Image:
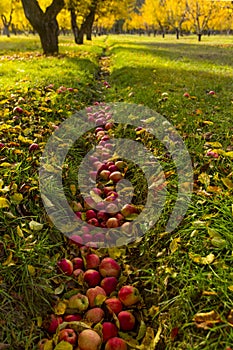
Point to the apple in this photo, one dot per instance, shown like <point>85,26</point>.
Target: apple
<point>114,305</point>
<point>92,294</point>
<point>98,165</point>
<point>93,222</point>
<point>92,277</point>
<point>186,94</point>
<point>109,268</point>
<point>109,330</point>
<point>89,340</point>
<point>71,318</point>
<point>92,261</point>
<point>18,109</point>
<point>66,266</point>
<point>87,237</point>
<point>76,239</point>
<point>78,272</point>
<point>211,92</point>
<point>100,121</point>
<point>129,295</point>
<point>90,214</point>
<point>128,209</point>
<point>98,129</point>
<point>112,208</point>
<point>116,176</point>
<point>105,138</point>
<point>2,145</point>
<point>108,126</point>
<point>41,344</point>
<point>100,133</point>
<point>109,284</point>
<point>33,147</point>
<point>78,214</point>
<point>113,168</point>
<point>78,263</point>
<point>108,189</point>
<point>112,222</point>
<point>102,215</point>
<point>115,344</point>
<point>93,174</point>
<point>85,229</point>
<point>52,323</point>
<point>120,164</point>
<point>97,191</point>
<point>99,237</point>
<point>68,335</point>
<point>94,315</point>
<point>79,302</point>
<point>126,227</point>
<point>127,320</point>
<point>104,174</point>
<point>119,217</point>
<point>84,250</point>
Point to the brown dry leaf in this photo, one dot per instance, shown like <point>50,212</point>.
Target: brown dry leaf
<point>149,339</point>
<point>206,320</point>
<point>153,310</point>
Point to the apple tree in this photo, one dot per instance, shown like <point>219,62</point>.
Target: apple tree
<point>45,23</point>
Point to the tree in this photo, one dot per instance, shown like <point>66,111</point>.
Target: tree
<point>45,23</point>
<point>155,14</point>
<point>200,14</point>
<point>176,14</point>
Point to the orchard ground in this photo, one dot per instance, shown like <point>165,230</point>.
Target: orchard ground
<point>180,274</point>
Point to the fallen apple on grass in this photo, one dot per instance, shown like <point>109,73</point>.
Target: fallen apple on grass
<point>94,315</point>
<point>92,277</point>
<point>92,294</point>
<point>51,323</point>
<point>109,330</point>
<point>109,268</point>
<point>92,261</point>
<point>68,335</point>
<point>114,305</point>
<point>78,302</point>
<point>116,344</point>
<point>129,295</point>
<point>109,284</point>
<point>127,320</point>
<point>65,266</point>
<point>89,340</point>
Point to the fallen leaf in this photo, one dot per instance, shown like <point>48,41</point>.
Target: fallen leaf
<point>60,308</point>
<point>31,270</point>
<point>174,245</point>
<point>35,226</point>
<point>206,320</point>
<point>228,183</point>
<point>4,203</point>
<point>63,345</point>
<point>202,260</point>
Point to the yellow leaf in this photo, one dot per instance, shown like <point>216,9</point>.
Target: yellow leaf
<point>35,226</point>
<point>19,232</point>
<point>8,261</point>
<point>204,179</point>
<point>116,253</point>
<point>174,245</point>
<point>229,154</point>
<point>60,308</point>
<point>227,182</point>
<point>49,345</point>
<point>17,198</point>
<point>39,321</point>
<point>202,260</point>
<point>4,203</point>
<point>214,144</point>
<point>230,288</point>
<point>31,270</point>
<point>6,165</point>
<point>63,345</point>
<point>73,189</point>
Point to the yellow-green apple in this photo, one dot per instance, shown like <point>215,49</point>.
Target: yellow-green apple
<point>79,302</point>
<point>92,261</point>
<point>66,266</point>
<point>128,209</point>
<point>89,340</point>
<point>109,330</point>
<point>116,176</point>
<point>94,315</point>
<point>109,284</point>
<point>115,344</point>
<point>68,335</point>
<point>114,305</point>
<point>129,295</point>
<point>92,277</point>
<point>93,293</point>
<point>127,320</point>
<point>109,268</point>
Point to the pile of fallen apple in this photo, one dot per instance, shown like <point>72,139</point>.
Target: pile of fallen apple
<point>100,313</point>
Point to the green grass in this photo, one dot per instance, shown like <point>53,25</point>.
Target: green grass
<point>153,72</point>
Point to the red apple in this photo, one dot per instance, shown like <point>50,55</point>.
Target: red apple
<point>18,109</point>
<point>87,237</point>
<point>109,268</point>
<point>186,94</point>
<point>108,126</point>
<point>109,284</point>
<point>92,261</point>
<point>71,318</point>
<point>66,266</point>
<point>76,239</point>
<point>116,176</point>
<point>115,344</point>
<point>92,293</point>
<point>98,129</point>
<point>78,263</point>
<point>94,315</point>
<point>113,168</point>
<point>33,147</point>
<point>114,304</point>
<point>78,272</point>
<point>68,335</point>
<point>79,302</point>
<point>52,323</point>
<point>90,214</point>
<point>102,215</point>
<point>129,295</point>
<point>112,208</point>
<point>109,330</point>
<point>127,320</point>
<point>92,277</point>
<point>112,222</point>
<point>211,92</point>
<point>93,222</point>
<point>89,340</point>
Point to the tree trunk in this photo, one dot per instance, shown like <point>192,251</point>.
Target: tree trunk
<point>45,23</point>
<point>78,33</point>
<point>177,34</point>
<point>6,24</point>
<point>199,36</point>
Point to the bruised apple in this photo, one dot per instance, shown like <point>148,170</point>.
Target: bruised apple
<point>94,315</point>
